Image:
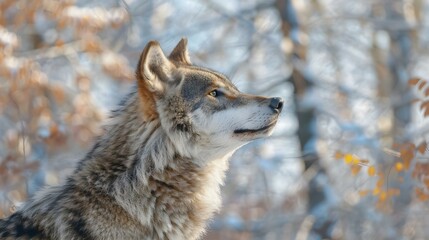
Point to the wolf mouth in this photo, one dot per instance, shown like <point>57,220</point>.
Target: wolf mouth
<point>240,131</point>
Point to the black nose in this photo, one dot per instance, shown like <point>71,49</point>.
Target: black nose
<point>276,104</point>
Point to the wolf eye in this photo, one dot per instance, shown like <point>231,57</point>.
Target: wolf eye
<point>214,93</point>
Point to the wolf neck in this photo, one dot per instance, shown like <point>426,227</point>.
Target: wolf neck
<point>148,177</point>
<point>140,141</point>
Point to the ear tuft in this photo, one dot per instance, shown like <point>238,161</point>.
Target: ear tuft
<point>180,53</point>
<point>153,68</point>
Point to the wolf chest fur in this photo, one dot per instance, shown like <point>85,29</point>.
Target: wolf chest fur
<point>156,171</point>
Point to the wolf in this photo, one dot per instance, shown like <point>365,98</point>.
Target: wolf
<point>156,171</point>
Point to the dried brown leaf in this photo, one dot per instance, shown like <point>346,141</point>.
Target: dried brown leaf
<point>421,194</point>
<point>415,100</point>
<point>355,169</point>
<point>426,182</point>
<point>407,156</point>
<point>426,112</point>
<point>421,169</point>
<point>424,105</point>
<point>422,147</point>
<point>414,81</point>
<point>422,84</point>
<point>58,94</point>
<point>426,93</point>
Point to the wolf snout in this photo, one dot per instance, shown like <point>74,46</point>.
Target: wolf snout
<point>276,104</point>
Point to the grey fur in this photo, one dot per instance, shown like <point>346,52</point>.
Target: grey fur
<point>153,174</point>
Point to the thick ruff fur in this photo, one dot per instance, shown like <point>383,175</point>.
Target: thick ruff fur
<point>156,171</point>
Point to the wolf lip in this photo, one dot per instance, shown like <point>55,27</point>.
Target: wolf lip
<point>239,131</point>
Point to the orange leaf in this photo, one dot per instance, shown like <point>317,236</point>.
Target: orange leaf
<point>422,147</point>
<point>371,171</point>
<point>407,155</point>
<point>379,173</point>
<point>379,183</point>
<point>413,81</point>
<point>355,169</point>
<point>426,182</point>
<point>393,192</point>
<point>383,196</point>
<point>59,43</point>
<point>58,93</point>
<point>421,194</point>
<point>338,155</point>
<point>399,166</point>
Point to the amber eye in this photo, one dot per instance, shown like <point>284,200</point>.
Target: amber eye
<point>214,93</point>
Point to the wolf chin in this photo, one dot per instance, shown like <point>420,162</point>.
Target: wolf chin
<point>156,171</point>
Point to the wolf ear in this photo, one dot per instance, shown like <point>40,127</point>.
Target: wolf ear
<point>153,68</point>
<point>180,53</point>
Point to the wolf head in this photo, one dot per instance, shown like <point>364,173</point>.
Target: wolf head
<point>201,110</point>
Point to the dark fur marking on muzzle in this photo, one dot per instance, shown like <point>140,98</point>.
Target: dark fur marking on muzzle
<point>239,131</point>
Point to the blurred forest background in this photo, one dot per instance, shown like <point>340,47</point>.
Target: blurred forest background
<point>348,159</point>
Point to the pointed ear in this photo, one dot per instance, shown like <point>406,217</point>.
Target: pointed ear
<point>154,69</point>
<point>180,53</point>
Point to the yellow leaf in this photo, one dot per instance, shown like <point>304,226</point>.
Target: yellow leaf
<point>363,193</point>
<point>376,191</point>
<point>399,166</point>
<point>348,158</point>
<point>371,171</point>
<point>383,196</point>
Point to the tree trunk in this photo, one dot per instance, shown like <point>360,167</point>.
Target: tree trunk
<point>393,74</point>
<point>318,187</point>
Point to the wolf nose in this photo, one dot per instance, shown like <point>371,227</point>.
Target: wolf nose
<point>276,104</point>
